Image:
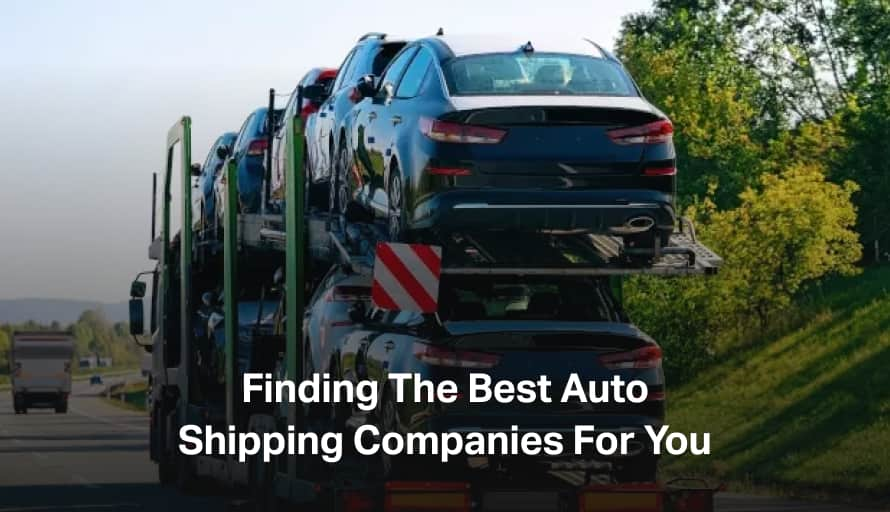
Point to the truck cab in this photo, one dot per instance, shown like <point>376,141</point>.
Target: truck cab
<point>41,370</point>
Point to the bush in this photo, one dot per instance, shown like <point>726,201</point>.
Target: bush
<point>794,228</point>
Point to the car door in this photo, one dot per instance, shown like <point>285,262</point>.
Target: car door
<point>324,122</point>
<point>221,185</point>
<point>199,188</point>
<point>401,121</point>
<point>279,160</point>
<point>390,350</point>
<point>375,133</point>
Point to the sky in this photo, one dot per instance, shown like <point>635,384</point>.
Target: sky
<point>89,88</point>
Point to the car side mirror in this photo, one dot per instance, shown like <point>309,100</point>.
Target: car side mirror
<point>196,170</point>
<point>137,289</point>
<point>222,152</point>
<point>366,86</point>
<point>357,313</point>
<point>137,317</point>
<point>316,93</point>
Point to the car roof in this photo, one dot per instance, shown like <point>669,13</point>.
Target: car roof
<point>474,44</point>
<point>383,38</point>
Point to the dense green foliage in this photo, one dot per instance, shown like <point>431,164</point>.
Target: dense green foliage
<point>780,109</point>
<point>94,335</point>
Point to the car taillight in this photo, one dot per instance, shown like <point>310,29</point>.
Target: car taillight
<point>651,133</point>
<point>257,147</point>
<point>439,356</point>
<point>645,357</point>
<point>448,171</point>
<point>348,294</point>
<point>444,131</point>
<point>660,171</point>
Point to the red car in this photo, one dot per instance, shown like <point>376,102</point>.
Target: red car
<point>315,76</point>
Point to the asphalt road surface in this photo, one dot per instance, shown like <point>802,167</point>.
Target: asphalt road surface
<point>95,459</point>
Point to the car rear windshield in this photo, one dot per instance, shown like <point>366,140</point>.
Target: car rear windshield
<point>521,73</point>
<point>503,298</point>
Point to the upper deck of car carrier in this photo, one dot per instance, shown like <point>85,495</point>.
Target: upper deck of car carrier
<point>496,252</point>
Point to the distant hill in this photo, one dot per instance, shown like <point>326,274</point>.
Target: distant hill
<point>46,311</point>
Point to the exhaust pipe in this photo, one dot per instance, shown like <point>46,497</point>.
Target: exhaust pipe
<point>634,225</point>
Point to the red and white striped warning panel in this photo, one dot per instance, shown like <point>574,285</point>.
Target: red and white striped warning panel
<point>406,277</point>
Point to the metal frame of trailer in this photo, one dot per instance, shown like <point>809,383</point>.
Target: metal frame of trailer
<point>465,253</point>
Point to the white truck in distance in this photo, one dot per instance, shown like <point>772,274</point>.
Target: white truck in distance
<point>40,365</point>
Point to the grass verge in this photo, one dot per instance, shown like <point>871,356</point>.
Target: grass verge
<point>131,397</point>
<point>807,413</point>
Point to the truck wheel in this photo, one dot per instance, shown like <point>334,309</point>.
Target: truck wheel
<point>166,467</point>
<point>62,407</point>
<point>186,478</point>
<point>166,472</point>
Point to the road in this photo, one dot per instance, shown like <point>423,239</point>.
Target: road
<point>95,459</point>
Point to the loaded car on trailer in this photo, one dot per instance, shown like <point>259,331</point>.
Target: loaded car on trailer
<point>497,132</point>
<point>325,133</point>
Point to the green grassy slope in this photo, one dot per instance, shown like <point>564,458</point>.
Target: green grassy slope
<point>810,410</point>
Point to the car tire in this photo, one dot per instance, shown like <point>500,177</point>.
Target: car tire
<point>391,467</point>
<point>341,197</point>
<point>396,218</point>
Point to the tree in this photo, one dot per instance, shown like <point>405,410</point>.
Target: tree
<point>5,346</point>
<point>686,62</point>
<point>794,227</point>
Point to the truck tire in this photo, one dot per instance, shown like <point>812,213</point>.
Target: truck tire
<point>62,407</point>
<point>166,467</point>
<point>186,477</point>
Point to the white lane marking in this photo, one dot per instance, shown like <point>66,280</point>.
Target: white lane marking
<point>108,422</point>
<point>83,481</point>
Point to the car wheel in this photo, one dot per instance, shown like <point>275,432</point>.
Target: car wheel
<point>396,200</point>
<point>342,184</point>
<point>390,466</point>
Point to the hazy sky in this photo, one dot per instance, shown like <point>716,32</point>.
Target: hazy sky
<point>89,88</point>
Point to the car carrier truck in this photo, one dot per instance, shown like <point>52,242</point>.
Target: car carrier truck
<point>197,381</point>
<point>40,365</point>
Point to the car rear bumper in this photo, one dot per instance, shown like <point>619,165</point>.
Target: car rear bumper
<point>597,211</point>
<point>640,445</point>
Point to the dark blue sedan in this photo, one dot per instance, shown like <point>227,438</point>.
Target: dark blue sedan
<point>512,328</point>
<point>203,196</point>
<point>248,152</point>
<point>499,132</point>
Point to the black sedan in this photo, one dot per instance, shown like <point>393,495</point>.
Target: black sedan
<point>512,329</point>
<point>501,132</point>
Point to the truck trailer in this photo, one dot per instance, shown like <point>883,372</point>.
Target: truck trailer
<point>40,365</point>
<point>196,377</point>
